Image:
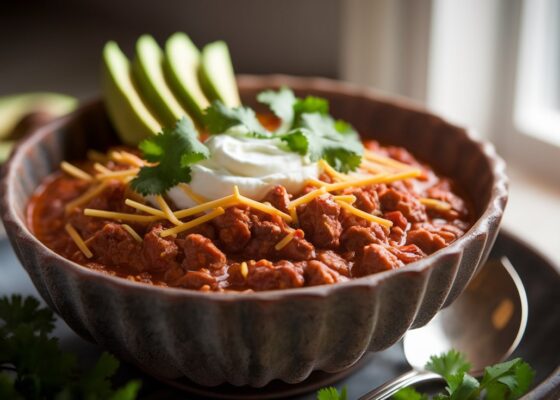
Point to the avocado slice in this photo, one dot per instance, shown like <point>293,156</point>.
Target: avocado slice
<point>130,115</point>
<point>14,107</point>
<point>216,74</point>
<point>182,60</point>
<point>147,68</point>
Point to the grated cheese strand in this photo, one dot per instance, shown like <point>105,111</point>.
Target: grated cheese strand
<point>101,168</point>
<point>371,156</point>
<point>189,192</point>
<point>333,173</point>
<point>347,198</point>
<point>371,167</point>
<point>191,224</point>
<point>94,155</point>
<point>436,204</point>
<point>118,174</point>
<point>244,269</point>
<point>307,197</point>
<point>75,171</point>
<point>132,232</point>
<point>293,214</point>
<point>145,208</point>
<point>167,211</point>
<point>223,202</point>
<point>332,187</point>
<point>264,208</point>
<point>78,240</point>
<point>362,214</point>
<point>90,212</point>
<point>413,173</point>
<point>87,196</point>
<point>285,241</point>
<point>127,158</point>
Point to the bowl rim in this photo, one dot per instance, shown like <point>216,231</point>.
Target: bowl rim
<point>17,227</point>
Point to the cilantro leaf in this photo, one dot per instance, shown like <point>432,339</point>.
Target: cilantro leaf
<point>218,118</point>
<point>127,392</point>
<point>409,393</point>
<point>330,393</point>
<point>282,104</point>
<point>319,138</point>
<point>15,311</point>
<point>462,386</point>
<point>447,364</point>
<point>311,104</point>
<point>510,379</point>
<point>174,150</point>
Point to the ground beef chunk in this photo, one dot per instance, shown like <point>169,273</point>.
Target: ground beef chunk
<point>366,198</point>
<point>397,218</point>
<point>375,258</point>
<point>298,248</point>
<point>114,246</point>
<point>334,261</point>
<point>319,220</point>
<point>201,252</point>
<point>234,228</point>
<point>264,275</point>
<point>356,237</point>
<point>278,197</point>
<point>197,280</point>
<point>411,208</point>
<point>265,235</point>
<point>408,253</point>
<point>318,273</point>
<point>428,241</point>
<point>159,253</point>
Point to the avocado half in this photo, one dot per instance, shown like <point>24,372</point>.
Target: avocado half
<point>216,74</point>
<point>130,115</point>
<point>181,64</point>
<point>147,69</point>
<point>15,108</point>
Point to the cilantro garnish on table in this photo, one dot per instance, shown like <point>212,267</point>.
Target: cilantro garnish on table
<point>504,381</point>
<point>32,365</point>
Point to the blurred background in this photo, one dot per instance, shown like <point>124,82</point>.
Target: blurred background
<point>492,65</point>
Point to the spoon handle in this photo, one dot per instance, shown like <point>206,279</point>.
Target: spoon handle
<point>388,389</point>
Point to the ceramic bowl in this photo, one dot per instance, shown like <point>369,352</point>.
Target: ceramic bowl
<point>251,339</point>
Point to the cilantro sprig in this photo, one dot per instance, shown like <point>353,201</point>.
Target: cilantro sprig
<point>306,127</point>
<point>173,151</point>
<point>32,365</point>
<point>504,381</point>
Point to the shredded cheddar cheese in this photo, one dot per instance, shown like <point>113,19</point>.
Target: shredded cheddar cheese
<point>348,198</point>
<point>293,214</point>
<point>125,173</point>
<point>371,156</point>
<point>362,214</point>
<point>78,240</point>
<point>191,224</point>
<point>125,157</point>
<point>87,196</point>
<point>145,208</point>
<point>333,173</point>
<point>436,204</point>
<point>97,156</point>
<point>132,232</point>
<point>307,197</point>
<point>259,206</point>
<point>285,241</point>
<point>75,171</point>
<point>223,202</point>
<point>101,168</point>
<point>167,211</point>
<point>244,269</point>
<point>90,212</point>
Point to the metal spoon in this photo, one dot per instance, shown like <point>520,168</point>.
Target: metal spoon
<point>486,323</point>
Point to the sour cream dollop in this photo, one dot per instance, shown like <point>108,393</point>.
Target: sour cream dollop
<point>254,165</point>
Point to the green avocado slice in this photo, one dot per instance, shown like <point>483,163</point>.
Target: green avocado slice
<point>216,74</point>
<point>131,117</point>
<point>14,107</point>
<point>182,60</point>
<point>147,68</point>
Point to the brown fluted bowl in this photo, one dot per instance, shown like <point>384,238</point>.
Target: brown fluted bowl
<point>253,338</point>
